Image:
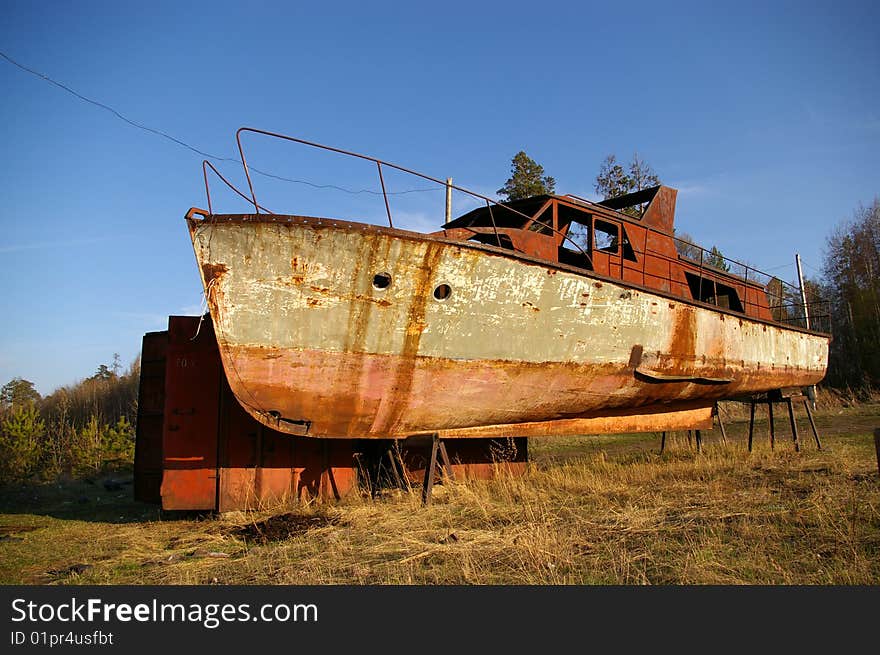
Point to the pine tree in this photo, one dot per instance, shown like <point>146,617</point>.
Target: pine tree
<point>526,179</point>
<point>717,260</point>
<point>17,393</point>
<point>22,432</point>
<point>613,181</point>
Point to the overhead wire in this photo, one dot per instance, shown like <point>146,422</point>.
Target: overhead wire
<point>198,151</point>
<point>811,267</point>
<point>776,268</point>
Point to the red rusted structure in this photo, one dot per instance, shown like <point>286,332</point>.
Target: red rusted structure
<point>641,251</point>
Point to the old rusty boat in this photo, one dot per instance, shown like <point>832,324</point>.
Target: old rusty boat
<point>550,315</point>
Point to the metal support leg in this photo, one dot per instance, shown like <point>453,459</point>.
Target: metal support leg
<point>662,442</point>
<point>699,439</point>
<point>772,426</point>
<point>794,430</point>
<point>430,469</point>
<point>812,423</point>
<point>721,425</point>
<point>396,474</point>
<point>447,465</point>
<point>751,424</point>
<point>327,484</point>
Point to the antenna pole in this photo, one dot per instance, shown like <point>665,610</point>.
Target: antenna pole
<point>448,199</point>
<point>797,259</point>
<point>811,390</point>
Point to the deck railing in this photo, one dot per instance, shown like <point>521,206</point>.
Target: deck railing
<point>379,164</point>
<point>784,298</point>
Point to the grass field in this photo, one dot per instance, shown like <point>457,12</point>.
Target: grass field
<point>591,510</point>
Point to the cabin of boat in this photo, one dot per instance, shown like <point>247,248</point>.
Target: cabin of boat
<point>629,238</point>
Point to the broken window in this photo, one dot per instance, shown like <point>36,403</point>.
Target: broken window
<point>491,239</point>
<point>575,224</point>
<point>713,292</point>
<point>607,237</point>
<point>543,224</point>
<point>579,234</point>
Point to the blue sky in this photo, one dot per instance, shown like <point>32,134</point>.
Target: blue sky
<point>766,117</point>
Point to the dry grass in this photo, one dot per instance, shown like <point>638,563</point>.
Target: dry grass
<point>590,510</point>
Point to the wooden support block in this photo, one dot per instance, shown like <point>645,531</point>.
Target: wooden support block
<point>447,465</point>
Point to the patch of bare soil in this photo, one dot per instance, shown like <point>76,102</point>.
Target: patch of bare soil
<point>283,526</point>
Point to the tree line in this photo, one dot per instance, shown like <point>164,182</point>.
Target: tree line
<point>79,430</point>
<point>851,284</point>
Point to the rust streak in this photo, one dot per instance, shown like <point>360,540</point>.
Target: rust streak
<point>405,365</point>
<point>213,271</point>
<point>682,349</point>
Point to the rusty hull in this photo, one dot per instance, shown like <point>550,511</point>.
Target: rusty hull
<point>311,346</point>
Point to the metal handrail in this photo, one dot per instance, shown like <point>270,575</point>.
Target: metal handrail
<point>379,163</point>
<point>714,273</point>
<point>205,165</point>
<point>702,263</point>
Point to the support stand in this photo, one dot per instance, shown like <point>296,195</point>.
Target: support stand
<point>786,396</point>
<point>437,446</point>
<point>396,466</point>
<point>717,414</point>
<point>327,485</point>
<point>381,466</point>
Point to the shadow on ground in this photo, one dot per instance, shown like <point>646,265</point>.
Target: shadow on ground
<point>106,499</point>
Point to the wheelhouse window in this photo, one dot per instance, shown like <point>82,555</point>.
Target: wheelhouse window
<point>713,292</point>
<point>590,234</point>
<point>577,226</point>
<point>543,224</point>
<point>628,252</point>
<point>611,237</point>
<point>492,239</point>
<point>579,233</point>
<point>607,237</point>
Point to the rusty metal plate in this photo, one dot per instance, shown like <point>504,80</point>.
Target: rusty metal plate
<point>150,419</point>
<point>189,443</point>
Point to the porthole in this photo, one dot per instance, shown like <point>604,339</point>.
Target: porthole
<point>381,281</point>
<point>442,291</point>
